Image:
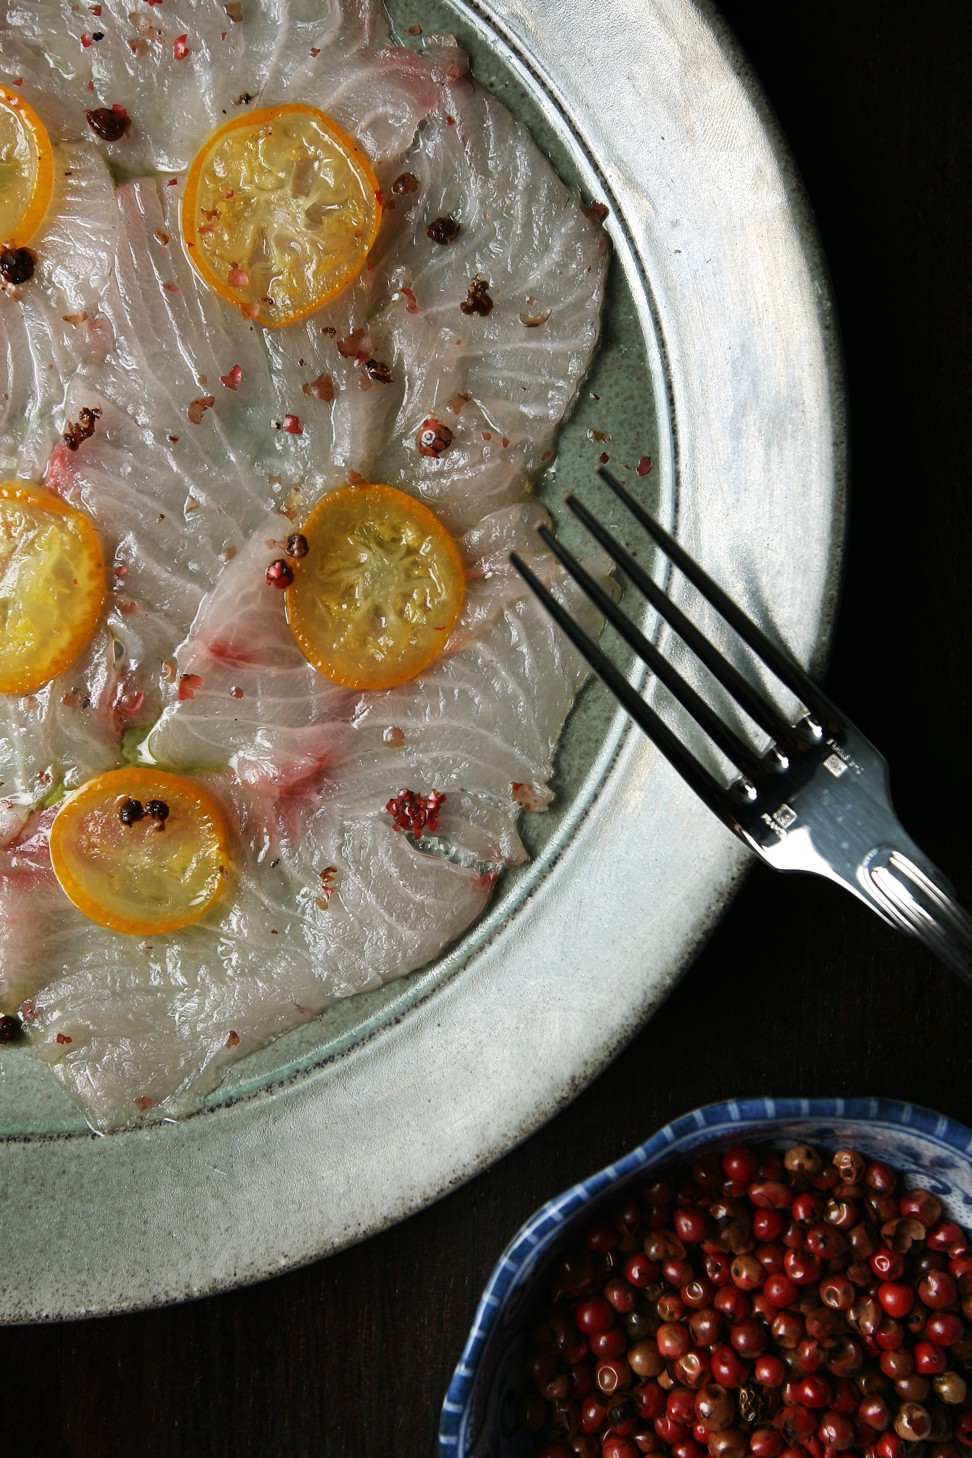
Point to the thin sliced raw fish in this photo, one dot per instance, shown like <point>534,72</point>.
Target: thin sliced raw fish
<point>246,696</point>
<point>30,898</point>
<point>129,1022</point>
<point>331,899</point>
<point>524,234</point>
<point>181,68</point>
<point>51,337</point>
<point>53,327</point>
<point>75,245</point>
<point>213,438</point>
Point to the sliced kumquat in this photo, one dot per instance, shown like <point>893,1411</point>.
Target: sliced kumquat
<point>141,850</point>
<point>52,585</point>
<point>26,170</point>
<point>379,589</point>
<point>280,210</point>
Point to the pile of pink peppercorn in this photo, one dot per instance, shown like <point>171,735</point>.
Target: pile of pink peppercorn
<point>780,1305</point>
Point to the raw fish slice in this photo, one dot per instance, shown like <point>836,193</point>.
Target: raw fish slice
<point>245,694</point>
<point>31,902</point>
<point>392,908</point>
<point>176,91</point>
<point>163,549</point>
<point>320,370</point>
<point>33,367</point>
<point>544,259</point>
<point>331,899</point>
<point>54,335</point>
<point>75,245</point>
<point>374,98</point>
<point>73,726</point>
<point>497,383</point>
<point>186,476</point>
<point>490,583</point>
<point>174,341</point>
<point>193,347</point>
<point>54,327</point>
<point>216,390</point>
<point>159,563</point>
<point>474,723</point>
<point>188,454</point>
<point>67,730</point>
<point>152,1024</point>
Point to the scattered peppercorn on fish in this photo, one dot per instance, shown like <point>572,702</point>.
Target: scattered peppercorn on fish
<point>181,68</point>
<point>197,443</point>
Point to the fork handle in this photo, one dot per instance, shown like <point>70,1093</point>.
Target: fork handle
<point>911,893</point>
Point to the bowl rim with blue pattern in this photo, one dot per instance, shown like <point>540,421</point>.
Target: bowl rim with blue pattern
<point>918,1142</point>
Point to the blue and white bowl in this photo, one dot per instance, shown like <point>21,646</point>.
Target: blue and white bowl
<point>479,1414</point>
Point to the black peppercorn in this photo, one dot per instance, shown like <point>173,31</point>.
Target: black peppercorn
<point>130,811</point>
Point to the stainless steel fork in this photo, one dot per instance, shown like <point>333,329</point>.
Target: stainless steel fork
<point>817,798</point>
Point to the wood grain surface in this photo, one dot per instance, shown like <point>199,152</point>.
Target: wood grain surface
<point>800,991</point>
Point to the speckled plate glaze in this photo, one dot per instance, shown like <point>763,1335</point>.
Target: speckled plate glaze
<point>718,361</point>
<point>478,1416</point>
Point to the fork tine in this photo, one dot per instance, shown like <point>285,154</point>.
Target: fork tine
<point>756,705</point>
<point>746,761</point>
<point>706,786</point>
<point>786,669</point>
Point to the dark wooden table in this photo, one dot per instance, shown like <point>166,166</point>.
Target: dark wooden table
<point>800,991</point>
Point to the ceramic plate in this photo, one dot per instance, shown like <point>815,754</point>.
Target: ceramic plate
<point>718,363</point>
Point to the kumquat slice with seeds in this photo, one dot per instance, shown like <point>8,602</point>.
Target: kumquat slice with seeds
<point>52,585</point>
<point>141,850</point>
<point>379,590</point>
<point>280,210</point>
